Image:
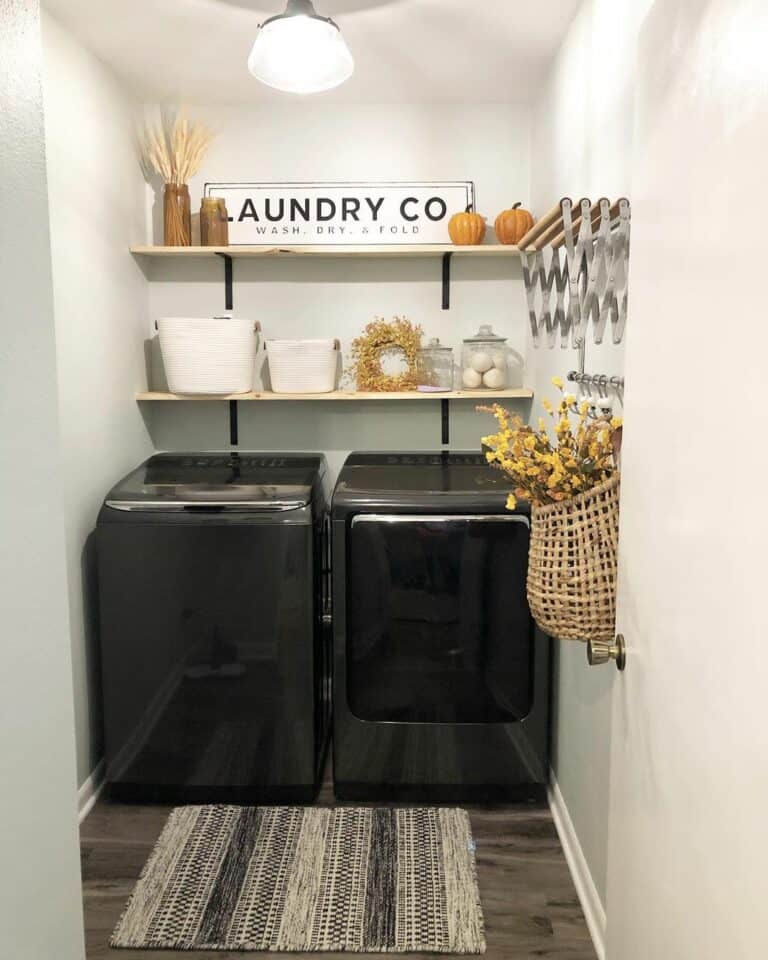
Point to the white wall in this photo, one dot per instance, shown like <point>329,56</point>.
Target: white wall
<point>689,787</point>
<point>582,145</point>
<point>96,195</point>
<point>40,908</point>
<point>315,141</point>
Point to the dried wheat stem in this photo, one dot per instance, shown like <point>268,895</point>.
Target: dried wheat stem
<point>175,148</point>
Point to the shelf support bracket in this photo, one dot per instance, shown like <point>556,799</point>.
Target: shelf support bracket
<point>445,419</point>
<point>447,280</point>
<point>233,425</point>
<point>228,301</point>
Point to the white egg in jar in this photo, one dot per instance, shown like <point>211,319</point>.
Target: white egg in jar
<point>481,361</point>
<point>494,378</point>
<point>485,354</point>
<point>471,378</point>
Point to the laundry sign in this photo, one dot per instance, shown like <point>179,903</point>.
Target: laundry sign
<point>271,214</point>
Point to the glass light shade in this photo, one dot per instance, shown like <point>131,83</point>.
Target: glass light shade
<point>300,54</point>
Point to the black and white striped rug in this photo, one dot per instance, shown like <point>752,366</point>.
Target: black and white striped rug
<point>308,879</point>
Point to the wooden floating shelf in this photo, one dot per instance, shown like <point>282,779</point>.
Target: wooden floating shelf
<point>478,396</point>
<point>319,252</point>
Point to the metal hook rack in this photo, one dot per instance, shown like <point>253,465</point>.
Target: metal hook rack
<point>600,380</point>
<point>596,379</point>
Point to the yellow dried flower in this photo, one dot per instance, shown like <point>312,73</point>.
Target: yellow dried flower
<point>546,470</point>
<point>558,382</point>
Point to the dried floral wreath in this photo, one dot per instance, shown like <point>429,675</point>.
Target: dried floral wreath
<point>379,338</point>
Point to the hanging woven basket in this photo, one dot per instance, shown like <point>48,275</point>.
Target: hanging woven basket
<point>572,564</point>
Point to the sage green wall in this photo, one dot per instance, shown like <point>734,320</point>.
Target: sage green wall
<point>96,193</point>
<point>40,907</point>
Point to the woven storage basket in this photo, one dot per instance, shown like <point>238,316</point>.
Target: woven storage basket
<point>572,564</point>
<point>302,366</point>
<point>208,355</point>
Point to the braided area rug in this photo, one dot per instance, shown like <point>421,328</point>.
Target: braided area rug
<point>358,879</point>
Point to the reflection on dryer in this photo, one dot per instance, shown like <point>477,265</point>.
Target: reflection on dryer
<point>433,606</point>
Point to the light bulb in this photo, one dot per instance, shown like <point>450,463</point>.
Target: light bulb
<point>300,53</point>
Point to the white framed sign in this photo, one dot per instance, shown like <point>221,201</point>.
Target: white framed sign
<point>341,213</point>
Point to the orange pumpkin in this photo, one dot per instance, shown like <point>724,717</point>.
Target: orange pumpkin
<point>513,224</point>
<point>467,228</point>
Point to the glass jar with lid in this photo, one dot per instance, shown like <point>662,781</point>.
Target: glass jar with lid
<point>214,222</point>
<point>435,367</point>
<point>484,361</point>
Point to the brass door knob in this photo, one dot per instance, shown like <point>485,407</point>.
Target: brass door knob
<point>601,651</point>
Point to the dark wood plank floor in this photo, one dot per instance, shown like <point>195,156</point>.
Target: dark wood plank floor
<point>529,903</point>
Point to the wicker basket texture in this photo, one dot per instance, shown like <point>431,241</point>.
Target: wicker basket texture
<point>572,564</point>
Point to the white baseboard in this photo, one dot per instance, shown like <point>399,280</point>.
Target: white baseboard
<point>594,911</point>
<point>89,792</point>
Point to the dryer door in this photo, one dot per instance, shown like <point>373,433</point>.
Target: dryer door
<point>438,626</point>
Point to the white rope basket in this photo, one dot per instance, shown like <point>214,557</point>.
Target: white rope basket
<point>302,366</point>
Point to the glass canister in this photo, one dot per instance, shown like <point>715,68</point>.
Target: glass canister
<point>177,215</point>
<point>484,361</point>
<point>435,367</point>
<point>214,222</point>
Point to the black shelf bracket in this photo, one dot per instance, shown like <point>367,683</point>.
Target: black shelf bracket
<point>233,425</point>
<point>445,420</point>
<point>447,280</point>
<point>228,302</point>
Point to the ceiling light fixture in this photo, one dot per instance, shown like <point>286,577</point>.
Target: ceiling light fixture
<point>300,52</point>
